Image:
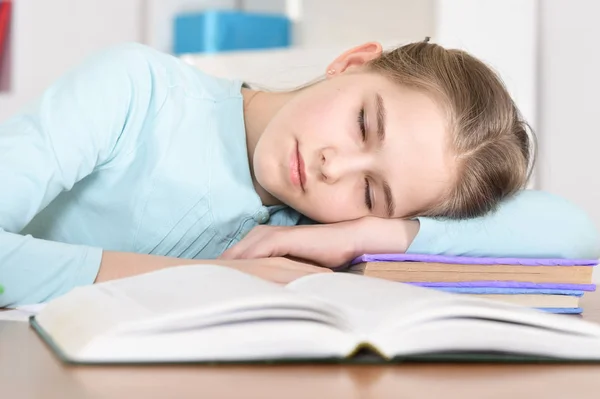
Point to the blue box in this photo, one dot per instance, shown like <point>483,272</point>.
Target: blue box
<point>228,30</point>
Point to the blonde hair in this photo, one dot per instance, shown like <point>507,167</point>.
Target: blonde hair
<point>489,138</point>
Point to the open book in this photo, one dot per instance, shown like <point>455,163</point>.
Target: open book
<point>210,313</point>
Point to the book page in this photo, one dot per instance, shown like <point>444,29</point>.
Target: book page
<point>367,301</point>
<point>471,335</point>
<point>271,339</point>
<point>213,293</point>
<point>175,298</point>
<point>179,288</point>
<point>386,311</point>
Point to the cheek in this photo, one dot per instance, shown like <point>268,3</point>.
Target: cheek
<point>332,204</point>
<point>323,116</point>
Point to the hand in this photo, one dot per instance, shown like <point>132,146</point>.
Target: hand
<point>277,270</point>
<point>325,245</point>
<point>330,245</point>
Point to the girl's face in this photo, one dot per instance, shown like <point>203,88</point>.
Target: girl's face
<point>356,145</point>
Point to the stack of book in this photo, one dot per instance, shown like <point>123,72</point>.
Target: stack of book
<point>552,285</point>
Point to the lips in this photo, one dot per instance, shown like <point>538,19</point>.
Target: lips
<point>297,169</point>
<point>301,168</point>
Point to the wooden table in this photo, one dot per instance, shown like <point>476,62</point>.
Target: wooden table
<point>29,370</point>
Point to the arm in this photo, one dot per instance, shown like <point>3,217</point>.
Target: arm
<point>279,270</point>
<point>330,245</point>
<point>79,125</point>
<point>532,224</point>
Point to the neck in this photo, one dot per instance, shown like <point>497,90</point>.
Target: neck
<point>259,108</point>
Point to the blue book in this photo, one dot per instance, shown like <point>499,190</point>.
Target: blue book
<point>229,30</point>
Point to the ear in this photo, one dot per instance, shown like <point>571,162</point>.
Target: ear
<point>354,58</point>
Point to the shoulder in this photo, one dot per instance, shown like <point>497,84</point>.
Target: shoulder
<point>134,58</point>
<point>149,66</point>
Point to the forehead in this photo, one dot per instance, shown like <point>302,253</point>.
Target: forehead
<point>416,153</point>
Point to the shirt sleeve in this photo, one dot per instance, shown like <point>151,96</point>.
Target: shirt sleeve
<point>78,126</point>
<point>531,224</point>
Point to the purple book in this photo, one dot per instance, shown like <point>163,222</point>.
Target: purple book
<point>506,285</point>
<point>466,260</point>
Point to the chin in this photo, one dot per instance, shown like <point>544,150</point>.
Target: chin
<point>269,186</point>
<point>264,173</point>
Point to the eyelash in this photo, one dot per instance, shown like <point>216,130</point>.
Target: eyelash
<point>363,130</point>
<point>361,124</point>
<point>368,201</point>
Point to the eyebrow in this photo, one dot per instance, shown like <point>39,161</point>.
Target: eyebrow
<point>387,191</point>
<point>389,199</point>
<point>380,118</point>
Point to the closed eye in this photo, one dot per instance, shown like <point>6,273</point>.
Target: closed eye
<point>361,124</point>
<point>368,201</point>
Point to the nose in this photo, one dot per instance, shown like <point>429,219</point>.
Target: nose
<point>336,165</point>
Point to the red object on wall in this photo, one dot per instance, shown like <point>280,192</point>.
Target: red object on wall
<point>5,8</point>
<point>5,17</point>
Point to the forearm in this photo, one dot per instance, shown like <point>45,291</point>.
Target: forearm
<point>116,265</point>
<point>385,235</point>
<point>329,245</point>
<point>34,270</point>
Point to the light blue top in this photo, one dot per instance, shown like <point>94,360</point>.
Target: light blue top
<point>136,151</point>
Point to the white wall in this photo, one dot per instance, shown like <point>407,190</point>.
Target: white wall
<point>334,22</point>
<point>48,37</point>
<point>503,33</point>
<point>570,108</point>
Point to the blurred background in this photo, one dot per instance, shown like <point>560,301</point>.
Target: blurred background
<point>544,50</point>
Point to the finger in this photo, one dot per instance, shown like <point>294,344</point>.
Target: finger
<point>249,248</point>
<point>274,243</point>
<point>262,245</point>
<point>237,250</point>
<point>263,242</point>
<point>230,253</point>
